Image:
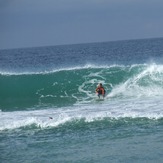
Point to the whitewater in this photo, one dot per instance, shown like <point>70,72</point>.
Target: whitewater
<point>48,104</point>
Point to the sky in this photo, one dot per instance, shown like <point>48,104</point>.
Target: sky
<point>32,23</point>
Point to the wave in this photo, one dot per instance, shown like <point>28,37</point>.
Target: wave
<point>80,116</point>
<point>76,86</point>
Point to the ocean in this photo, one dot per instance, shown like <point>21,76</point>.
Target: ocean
<point>49,111</point>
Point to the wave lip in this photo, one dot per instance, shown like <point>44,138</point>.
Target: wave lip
<point>87,66</point>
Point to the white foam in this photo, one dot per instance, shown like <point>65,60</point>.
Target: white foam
<point>153,76</point>
<point>147,107</point>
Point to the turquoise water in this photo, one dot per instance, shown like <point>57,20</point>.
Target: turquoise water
<point>50,112</point>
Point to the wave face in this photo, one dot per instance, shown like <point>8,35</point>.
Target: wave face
<point>76,86</point>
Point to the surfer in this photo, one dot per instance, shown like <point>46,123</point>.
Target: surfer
<point>100,90</point>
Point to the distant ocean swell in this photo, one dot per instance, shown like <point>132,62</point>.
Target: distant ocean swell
<point>74,86</point>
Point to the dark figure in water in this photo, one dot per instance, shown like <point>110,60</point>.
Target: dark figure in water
<point>100,90</point>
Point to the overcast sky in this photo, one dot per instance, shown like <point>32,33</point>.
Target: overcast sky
<point>30,23</point>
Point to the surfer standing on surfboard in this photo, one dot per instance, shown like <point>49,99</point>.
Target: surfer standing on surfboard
<point>100,90</point>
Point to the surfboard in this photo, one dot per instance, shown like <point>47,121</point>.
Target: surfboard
<point>100,99</point>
